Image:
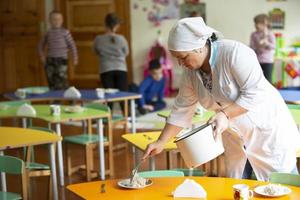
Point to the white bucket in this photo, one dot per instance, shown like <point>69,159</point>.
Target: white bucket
<point>199,146</point>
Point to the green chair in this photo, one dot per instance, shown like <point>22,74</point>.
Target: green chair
<point>116,120</point>
<point>13,165</point>
<point>161,173</point>
<point>188,172</point>
<point>293,106</point>
<point>89,141</point>
<point>285,178</point>
<point>33,168</point>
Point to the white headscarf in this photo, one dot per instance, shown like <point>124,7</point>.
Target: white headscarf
<point>189,34</point>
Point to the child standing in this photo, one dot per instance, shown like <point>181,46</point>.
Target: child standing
<point>112,50</point>
<point>58,41</point>
<point>152,89</point>
<point>263,43</point>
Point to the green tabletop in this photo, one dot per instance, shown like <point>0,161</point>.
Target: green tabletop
<point>296,114</point>
<point>295,111</point>
<point>43,113</point>
<point>196,118</point>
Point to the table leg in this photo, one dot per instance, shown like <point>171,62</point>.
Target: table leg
<point>132,108</point>
<point>60,156</point>
<point>101,149</point>
<point>53,171</point>
<point>3,178</point>
<point>133,128</point>
<point>24,122</point>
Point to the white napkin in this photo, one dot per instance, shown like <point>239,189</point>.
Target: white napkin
<point>189,189</point>
<point>26,110</point>
<point>72,92</point>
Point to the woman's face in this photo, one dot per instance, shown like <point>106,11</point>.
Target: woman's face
<point>189,59</point>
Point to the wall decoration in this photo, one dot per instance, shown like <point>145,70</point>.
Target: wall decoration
<point>192,9</point>
<point>277,17</point>
<point>160,10</point>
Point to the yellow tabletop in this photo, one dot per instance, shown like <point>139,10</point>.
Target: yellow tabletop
<point>20,137</point>
<point>141,140</point>
<point>216,188</point>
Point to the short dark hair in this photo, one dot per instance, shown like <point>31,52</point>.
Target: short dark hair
<point>111,20</point>
<point>154,64</point>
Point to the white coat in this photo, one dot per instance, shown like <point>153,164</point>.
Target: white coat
<point>267,131</point>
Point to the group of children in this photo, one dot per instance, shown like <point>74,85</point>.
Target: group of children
<point>112,50</point>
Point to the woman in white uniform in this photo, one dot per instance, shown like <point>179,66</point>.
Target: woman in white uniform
<point>225,76</point>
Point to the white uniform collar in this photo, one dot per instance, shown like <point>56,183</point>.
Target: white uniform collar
<point>213,53</point>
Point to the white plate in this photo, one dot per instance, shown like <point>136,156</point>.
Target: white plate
<point>74,109</point>
<point>125,184</point>
<point>111,90</point>
<point>282,191</point>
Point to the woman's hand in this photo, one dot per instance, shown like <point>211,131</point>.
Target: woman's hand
<point>220,123</point>
<point>153,149</point>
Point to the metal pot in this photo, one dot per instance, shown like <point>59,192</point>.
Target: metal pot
<point>199,146</point>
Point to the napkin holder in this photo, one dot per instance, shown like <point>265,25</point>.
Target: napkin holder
<point>189,189</point>
<point>72,92</point>
<point>26,110</point>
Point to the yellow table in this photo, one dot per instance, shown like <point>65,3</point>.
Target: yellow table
<point>216,188</point>
<point>141,140</point>
<point>20,137</point>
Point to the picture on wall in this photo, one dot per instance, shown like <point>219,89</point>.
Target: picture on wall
<point>193,10</point>
<point>277,18</point>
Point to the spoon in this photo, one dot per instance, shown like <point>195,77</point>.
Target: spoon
<point>134,171</point>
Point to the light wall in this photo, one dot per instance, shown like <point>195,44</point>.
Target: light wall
<point>234,18</point>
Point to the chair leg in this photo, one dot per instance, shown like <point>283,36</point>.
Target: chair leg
<point>50,194</point>
<point>169,159</point>
<point>25,185</point>
<point>88,154</point>
<point>69,163</point>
